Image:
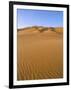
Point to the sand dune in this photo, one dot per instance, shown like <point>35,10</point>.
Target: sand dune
<point>39,53</point>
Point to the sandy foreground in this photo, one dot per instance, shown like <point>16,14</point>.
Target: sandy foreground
<point>39,53</point>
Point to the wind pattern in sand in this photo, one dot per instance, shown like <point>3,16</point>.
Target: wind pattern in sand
<point>39,53</point>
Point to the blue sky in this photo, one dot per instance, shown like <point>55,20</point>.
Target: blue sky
<point>48,18</point>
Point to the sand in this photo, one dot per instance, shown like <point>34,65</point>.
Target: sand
<point>39,53</point>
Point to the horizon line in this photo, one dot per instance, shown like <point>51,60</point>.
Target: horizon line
<point>40,26</point>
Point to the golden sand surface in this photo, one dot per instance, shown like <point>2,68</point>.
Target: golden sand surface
<point>39,53</point>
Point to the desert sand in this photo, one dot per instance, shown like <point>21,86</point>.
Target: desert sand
<point>39,53</point>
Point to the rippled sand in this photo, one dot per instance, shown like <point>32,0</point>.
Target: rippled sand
<point>39,54</point>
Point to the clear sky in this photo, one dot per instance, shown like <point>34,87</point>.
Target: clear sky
<point>48,18</point>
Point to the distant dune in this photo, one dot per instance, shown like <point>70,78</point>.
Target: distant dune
<point>39,53</point>
<point>41,29</point>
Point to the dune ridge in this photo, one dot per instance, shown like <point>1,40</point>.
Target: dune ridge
<point>42,29</point>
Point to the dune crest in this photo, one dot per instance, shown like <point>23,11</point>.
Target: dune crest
<point>40,29</point>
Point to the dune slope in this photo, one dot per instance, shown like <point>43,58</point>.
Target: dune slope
<point>39,53</point>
